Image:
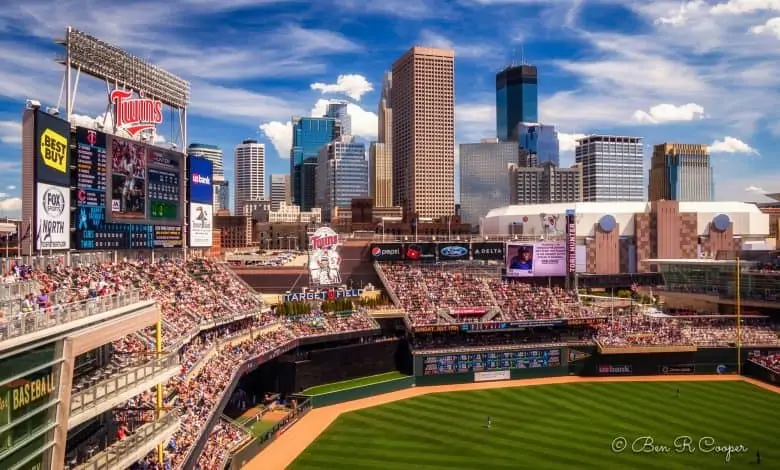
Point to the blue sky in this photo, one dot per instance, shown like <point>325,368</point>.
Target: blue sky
<point>694,72</point>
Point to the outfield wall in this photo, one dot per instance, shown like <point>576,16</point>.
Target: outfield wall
<point>362,391</point>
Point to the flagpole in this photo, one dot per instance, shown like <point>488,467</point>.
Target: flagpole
<point>33,238</point>
<point>739,318</point>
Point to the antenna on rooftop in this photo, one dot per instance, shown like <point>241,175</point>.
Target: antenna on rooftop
<point>514,54</point>
<point>522,54</point>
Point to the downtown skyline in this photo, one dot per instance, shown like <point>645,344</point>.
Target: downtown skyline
<point>637,76</point>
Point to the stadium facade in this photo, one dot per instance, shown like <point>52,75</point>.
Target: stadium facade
<point>617,237</point>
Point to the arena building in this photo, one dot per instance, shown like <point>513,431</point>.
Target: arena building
<point>617,237</point>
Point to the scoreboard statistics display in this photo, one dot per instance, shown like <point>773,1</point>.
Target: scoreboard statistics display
<point>94,230</point>
<point>488,361</point>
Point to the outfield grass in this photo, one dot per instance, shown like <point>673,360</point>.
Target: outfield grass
<point>259,428</point>
<point>336,386</point>
<point>569,426</point>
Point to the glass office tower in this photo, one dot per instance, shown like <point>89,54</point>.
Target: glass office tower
<point>342,175</point>
<point>516,100</point>
<point>538,144</point>
<point>310,134</point>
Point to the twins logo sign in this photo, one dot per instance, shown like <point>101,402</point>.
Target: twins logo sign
<point>324,259</point>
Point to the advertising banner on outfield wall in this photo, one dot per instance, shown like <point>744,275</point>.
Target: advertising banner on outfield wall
<point>453,251</point>
<point>610,369</point>
<point>491,376</point>
<point>487,251</point>
<point>679,369</point>
<point>386,252</point>
<point>420,252</point>
<point>52,217</point>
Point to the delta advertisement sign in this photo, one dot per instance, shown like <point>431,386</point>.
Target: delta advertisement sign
<point>201,176</point>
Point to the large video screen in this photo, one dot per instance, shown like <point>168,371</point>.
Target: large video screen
<point>536,259</point>
<point>486,361</point>
<point>145,183</point>
<point>94,231</point>
<point>200,180</point>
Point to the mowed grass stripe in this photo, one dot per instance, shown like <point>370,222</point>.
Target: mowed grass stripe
<point>553,427</point>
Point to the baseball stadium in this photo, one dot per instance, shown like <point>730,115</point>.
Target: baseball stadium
<point>127,342</point>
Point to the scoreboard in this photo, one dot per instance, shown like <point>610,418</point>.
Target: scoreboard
<point>95,230</point>
<point>488,361</point>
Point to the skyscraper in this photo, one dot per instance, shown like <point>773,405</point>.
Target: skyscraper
<point>680,172</point>
<point>484,178</point>
<point>538,144</point>
<point>342,175</point>
<point>612,168</point>
<point>544,184</point>
<point>424,132</point>
<point>280,191</point>
<point>381,151</point>
<point>220,185</point>
<point>516,99</point>
<point>249,173</point>
<point>338,111</point>
<point>310,134</point>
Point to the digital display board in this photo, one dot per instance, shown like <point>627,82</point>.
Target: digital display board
<point>536,259</point>
<point>201,177</point>
<point>487,361</point>
<point>145,183</point>
<point>93,230</point>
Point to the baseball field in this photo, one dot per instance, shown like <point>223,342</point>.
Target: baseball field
<point>606,424</point>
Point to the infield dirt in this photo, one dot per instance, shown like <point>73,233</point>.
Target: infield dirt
<point>288,446</point>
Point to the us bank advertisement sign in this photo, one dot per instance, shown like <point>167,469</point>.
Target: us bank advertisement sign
<point>201,225</point>
<point>324,258</point>
<point>52,217</point>
<point>201,177</point>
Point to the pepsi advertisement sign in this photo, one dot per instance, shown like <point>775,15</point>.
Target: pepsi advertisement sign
<point>386,252</point>
<point>453,251</point>
<point>201,176</point>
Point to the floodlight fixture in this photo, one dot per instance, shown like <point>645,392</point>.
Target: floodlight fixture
<point>32,104</point>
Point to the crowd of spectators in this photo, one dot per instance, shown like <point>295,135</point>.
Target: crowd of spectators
<point>641,330</point>
<point>423,291</point>
<point>319,322</point>
<point>770,361</point>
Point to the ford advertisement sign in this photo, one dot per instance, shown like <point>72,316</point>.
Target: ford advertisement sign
<point>386,252</point>
<point>200,177</point>
<point>449,251</point>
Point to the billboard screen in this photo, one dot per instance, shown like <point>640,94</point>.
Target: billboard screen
<point>52,217</point>
<point>487,251</point>
<point>201,225</point>
<point>52,152</point>
<point>420,252</point>
<point>491,361</point>
<point>541,225</point>
<point>453,251</point>
<point>144,183</point>
<point>93,230</point>
<point>201,176</point>
<point>386,252</point>
<point>536,259</point>
<point>324,258</point>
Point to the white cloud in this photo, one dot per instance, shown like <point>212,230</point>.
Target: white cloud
<point>11,188</point>
<point>772,27</point>
<point>474,121</point>
<point>731,145</point>
<point>755,189</point>
<point>679,16</point>
<point>11,207</point>
<point>740,7</point>
<point>568,142</point>
<point>663,113</point>
<point>364,124</point>
<point>352,85</point>
<point>10,132</point>
<point>466,50</point>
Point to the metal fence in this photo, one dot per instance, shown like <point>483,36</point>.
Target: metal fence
<point>107,388</point>
<point>110,458</point>
<point>17,290</point>
<point>23,323</point>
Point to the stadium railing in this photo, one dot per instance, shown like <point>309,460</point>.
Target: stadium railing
<point>17,290</point>
<point>124,453</point>
<point>61,314</point>
<point>119,387</point>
